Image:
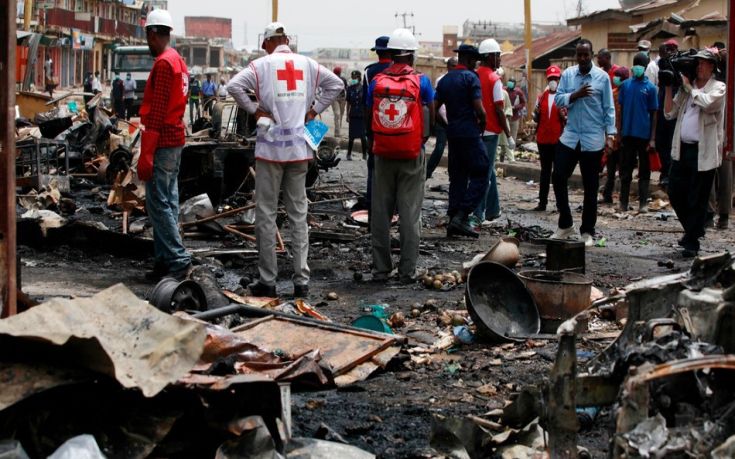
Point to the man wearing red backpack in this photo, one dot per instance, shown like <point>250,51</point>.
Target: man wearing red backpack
<point>400,126</point>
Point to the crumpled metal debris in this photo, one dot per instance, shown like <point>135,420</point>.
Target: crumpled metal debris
<point>649,436</point>
<point>113,332</point>
<point>725,450</point>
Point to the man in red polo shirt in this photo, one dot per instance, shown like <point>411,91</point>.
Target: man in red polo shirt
<point>495,124</point>
<point>162,119</point>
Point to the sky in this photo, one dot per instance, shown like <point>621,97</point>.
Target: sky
<point>356,24</point>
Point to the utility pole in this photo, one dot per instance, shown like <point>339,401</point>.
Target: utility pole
<point>274,13</point>
<point>529,56</point>
<point>405,15</point>
<point>27,14</point>
<point>8,293</point>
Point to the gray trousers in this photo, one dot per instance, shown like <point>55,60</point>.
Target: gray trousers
<point>270,178</point>
<point>338,109</point>
<point>397,183</point>
<point>503,149</point>
<point>720,201</point>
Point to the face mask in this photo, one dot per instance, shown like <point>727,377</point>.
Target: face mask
<point>638,71</point>
<point>511,85</point>
<point>617,81</point>
<point>553,84</point>
<point>127,77</point>
<point>353,81</point>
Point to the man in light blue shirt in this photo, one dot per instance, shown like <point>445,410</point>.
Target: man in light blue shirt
<point>585,92</point>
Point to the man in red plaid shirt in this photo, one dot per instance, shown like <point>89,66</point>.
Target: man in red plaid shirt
<point>162,119</point>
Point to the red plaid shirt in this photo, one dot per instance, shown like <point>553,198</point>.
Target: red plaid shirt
<point>160,83</point>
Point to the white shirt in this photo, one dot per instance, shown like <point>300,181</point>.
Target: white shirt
<point>690,122</point>
<point>652,72</point>
<point>222,90</point>
<point>550,102</point>
<point>96,85</point>
<point>285,85</point>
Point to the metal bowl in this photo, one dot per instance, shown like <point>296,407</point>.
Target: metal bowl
<point>500,304</point>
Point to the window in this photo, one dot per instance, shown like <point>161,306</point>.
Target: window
<point>133,62</point>
<point>200,56</point>
<point>214,57</point>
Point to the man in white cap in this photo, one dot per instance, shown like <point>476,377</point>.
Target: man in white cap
<point>396,100</point>
<point>285,85</point>
<point>162,120</point>
<point>644,46</point>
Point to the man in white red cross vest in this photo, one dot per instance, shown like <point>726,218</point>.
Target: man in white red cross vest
<point>401,103</point>
<point>285,85</point>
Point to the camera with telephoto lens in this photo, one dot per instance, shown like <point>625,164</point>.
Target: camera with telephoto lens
<point>672,67</point>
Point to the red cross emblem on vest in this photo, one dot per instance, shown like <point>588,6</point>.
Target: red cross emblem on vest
<point>392,112</point>
<point>290,75</point>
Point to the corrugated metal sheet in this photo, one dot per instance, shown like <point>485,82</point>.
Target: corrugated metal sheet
<point>539,47</point>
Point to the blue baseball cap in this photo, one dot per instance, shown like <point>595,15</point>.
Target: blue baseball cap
<point>381,44</point>
<point>467,49</point>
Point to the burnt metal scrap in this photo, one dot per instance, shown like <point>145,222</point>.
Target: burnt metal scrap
<point>144,383</point>
<point>667,375</point>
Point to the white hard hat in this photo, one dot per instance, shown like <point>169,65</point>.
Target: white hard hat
<point>489,46</point>
<point>274,29</point>
<point>159,18</point>
<point>403,40</point>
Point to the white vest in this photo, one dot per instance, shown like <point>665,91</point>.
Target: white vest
<point>286,88</point>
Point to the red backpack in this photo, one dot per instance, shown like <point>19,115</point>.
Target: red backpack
<point>397,120</point>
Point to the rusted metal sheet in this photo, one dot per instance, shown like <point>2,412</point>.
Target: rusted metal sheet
<point>342,349</point>
<point>115,333</point>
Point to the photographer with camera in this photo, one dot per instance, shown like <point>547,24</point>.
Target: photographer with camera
<point>699,110</point>
<point>664,127</point>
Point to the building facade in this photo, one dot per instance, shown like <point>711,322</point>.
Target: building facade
<point>79,36</point>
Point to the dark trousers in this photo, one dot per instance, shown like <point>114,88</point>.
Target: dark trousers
<point>468,166</point>
<point>129,108</point>
<point>634,153</point>
<point>351,142</point>
<point>613,160</point>
<point>441,141</point>
<point>370,168</point>
<point>565,161</point>
<point>194,105</point>
<point>664,136</point>
<point>119,106</point>
<point>546,151</point>
<point>689,191</point>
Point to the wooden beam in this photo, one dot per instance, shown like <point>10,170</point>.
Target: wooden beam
<point>7,160</point>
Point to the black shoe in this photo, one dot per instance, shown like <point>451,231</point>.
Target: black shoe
<point>539,208</point>
<point>259,289</point>
<point>157,273</point>
<point>723,222</point>
<point>180,274</point>
<point>300,291</point>
<point>689,253</point>
<point>349,157</point>
<point>460,226</point>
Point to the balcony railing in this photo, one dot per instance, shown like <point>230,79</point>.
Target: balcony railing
<point>59,17</point>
